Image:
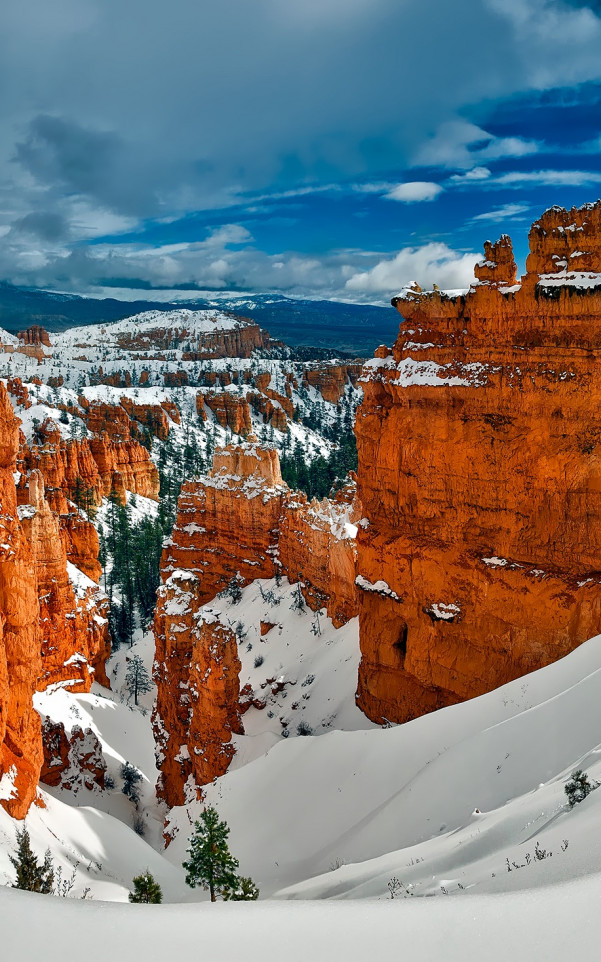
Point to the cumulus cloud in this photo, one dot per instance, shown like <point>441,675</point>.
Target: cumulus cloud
<point>434,263</point>
<point>414,191</point>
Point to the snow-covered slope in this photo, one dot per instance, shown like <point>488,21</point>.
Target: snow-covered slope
<point>465,801</point>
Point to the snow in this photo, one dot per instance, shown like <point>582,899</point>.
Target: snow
<point>551,924</point>
<point>582,280</point>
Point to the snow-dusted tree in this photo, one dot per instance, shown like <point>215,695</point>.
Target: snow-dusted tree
<point>211,864</point>
<point>32,876</point>
<point>146,890</point>
<point>234,589</point>
<point>298,599</point>
<point>137,680</point>
<point>131,778</point>
<point>578,787</point>
<point>245,891</point>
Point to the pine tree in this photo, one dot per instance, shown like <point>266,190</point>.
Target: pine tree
<point>211,864</point>
<point>131,777</point>
<point>32,876</point>
<point>137,681</point>
<point>245,891</point>
<point>578,787</point>
<point>146,890</point>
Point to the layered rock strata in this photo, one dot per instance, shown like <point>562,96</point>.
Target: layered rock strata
<point>480,475</point>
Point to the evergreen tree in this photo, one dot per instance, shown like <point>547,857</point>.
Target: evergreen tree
<point>245,891</point>
<point>146,890</point>
<point>131,779</point>
<point>211,864</point>
<point>137,681</point>
<point>234,590</point>
<point>32,876</point>
<point>578,787</point>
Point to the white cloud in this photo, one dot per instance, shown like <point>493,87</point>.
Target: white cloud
<point>556,178</point>
<point>506,212</point>
<point>459,143</point>
<point>434,263</point>
<point>414,191</point>
<point>471,176</point>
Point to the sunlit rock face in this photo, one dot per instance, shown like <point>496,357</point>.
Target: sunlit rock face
<point>480,477</point>
<point>20,740</point>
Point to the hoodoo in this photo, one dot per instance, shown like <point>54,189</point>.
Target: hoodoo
<point>480,475</point>
<point>240,522</point>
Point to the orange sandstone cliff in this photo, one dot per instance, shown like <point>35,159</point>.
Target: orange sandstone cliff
<point>480,476</point>
<point>20,740</point>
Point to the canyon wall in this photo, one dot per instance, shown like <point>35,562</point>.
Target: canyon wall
<point>20,739</point>
<point>480,475</point>
<point>53,618</point>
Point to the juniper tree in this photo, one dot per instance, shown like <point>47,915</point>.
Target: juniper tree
<point>137,680</point>
<point>211,864</point>
<point>32,876</point>
<point>146,890</point>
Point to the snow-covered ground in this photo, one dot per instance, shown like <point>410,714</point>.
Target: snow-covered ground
<point>546,925</point>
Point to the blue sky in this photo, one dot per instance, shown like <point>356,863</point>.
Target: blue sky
<point>329,148</point>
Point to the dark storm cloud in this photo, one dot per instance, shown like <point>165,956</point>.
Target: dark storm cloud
<point>45,225</point>
<point>131,111</point>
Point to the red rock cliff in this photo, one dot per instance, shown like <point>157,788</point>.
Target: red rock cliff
<point>480,475</point>
<point>20,741</point>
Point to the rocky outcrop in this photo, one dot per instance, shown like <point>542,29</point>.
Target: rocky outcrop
<point>73,611</point>
<point>34,335</point>
<point>71,761</point>
<point>101,465</point>
<point>331,379</point>
<point>230,410</point>
<point>480,476</point>
<point>20,741</point>
<point>197,674</point>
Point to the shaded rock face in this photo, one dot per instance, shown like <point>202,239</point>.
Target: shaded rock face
<point>197,674</point>
<point>480,476</point>
<point>71,761</point>
<point>241,522</point>
<point>20,742</point>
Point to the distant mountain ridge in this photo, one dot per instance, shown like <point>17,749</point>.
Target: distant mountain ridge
<point>351,329</point>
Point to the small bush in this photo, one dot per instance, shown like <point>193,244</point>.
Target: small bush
<point>259,661</point>
<point>303,728</point>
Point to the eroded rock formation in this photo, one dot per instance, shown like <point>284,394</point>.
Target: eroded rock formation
<point>72,760</point>
<point>480,476</point>
<point>242,522</point>
<point>197,674</point>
